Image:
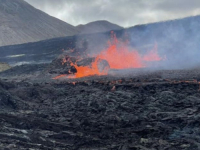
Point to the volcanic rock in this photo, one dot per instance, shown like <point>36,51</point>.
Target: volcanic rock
<point>102,64</point>
<point>64,64</point>
<point>145,111</point>
<point>7,100</point>
<point>61,115</point>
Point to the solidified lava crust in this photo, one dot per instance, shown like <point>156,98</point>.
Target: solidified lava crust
<point>146,112</point>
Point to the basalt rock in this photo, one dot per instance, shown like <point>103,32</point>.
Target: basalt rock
<point>145,112</point>
<point>66,64</point>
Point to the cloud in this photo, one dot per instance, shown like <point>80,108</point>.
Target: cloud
<point>122,12</point>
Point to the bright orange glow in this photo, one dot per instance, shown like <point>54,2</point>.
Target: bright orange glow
<point>119,56</point>
<point>83,71</point>
<point>60,76</point>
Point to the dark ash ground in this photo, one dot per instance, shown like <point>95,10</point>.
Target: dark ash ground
<point>143,111</point>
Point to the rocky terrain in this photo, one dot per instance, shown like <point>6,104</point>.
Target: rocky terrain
<point>132,109</point>
<point>142,110</point>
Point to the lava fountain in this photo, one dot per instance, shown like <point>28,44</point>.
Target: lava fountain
<point>83,71</point>
<point>119,56</point>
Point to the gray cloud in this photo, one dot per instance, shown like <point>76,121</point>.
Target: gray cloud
<point>122,12</point>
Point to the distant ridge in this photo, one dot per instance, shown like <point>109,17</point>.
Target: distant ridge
<point>97,26</point>
<point>21,23</point>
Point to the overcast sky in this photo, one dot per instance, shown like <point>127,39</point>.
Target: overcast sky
<point>122,12</point>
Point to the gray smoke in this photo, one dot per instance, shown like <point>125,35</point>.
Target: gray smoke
<point>178,40</point>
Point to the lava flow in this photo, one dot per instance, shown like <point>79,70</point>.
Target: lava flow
<point>83,71</point>
<point>119,56</point>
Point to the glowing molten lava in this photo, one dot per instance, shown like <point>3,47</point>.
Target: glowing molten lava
<point>83,71</point>
<point>60,76</point>
<point>119,56</point>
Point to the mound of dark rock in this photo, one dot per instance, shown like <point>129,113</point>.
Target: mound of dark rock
<point>9,101</point>
<point>65,64</point>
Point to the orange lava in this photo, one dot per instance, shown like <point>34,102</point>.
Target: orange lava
<point>60,76</point>
<point>120,56</point>
<point>83,71</point>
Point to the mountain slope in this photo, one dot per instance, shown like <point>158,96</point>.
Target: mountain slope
<point>97,26</point>
<point>22,23</point>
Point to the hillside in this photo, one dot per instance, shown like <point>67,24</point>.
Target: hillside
<point>22,23</point>
<point>97,26</point>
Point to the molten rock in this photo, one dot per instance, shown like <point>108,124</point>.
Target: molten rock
<point>102,64</point>
<point>66,64</point>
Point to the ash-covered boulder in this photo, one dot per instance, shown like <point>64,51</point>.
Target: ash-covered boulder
<point>67,64</point>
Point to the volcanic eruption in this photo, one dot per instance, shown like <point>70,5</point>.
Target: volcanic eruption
<point>118,55</point>
<point>135,88</point>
